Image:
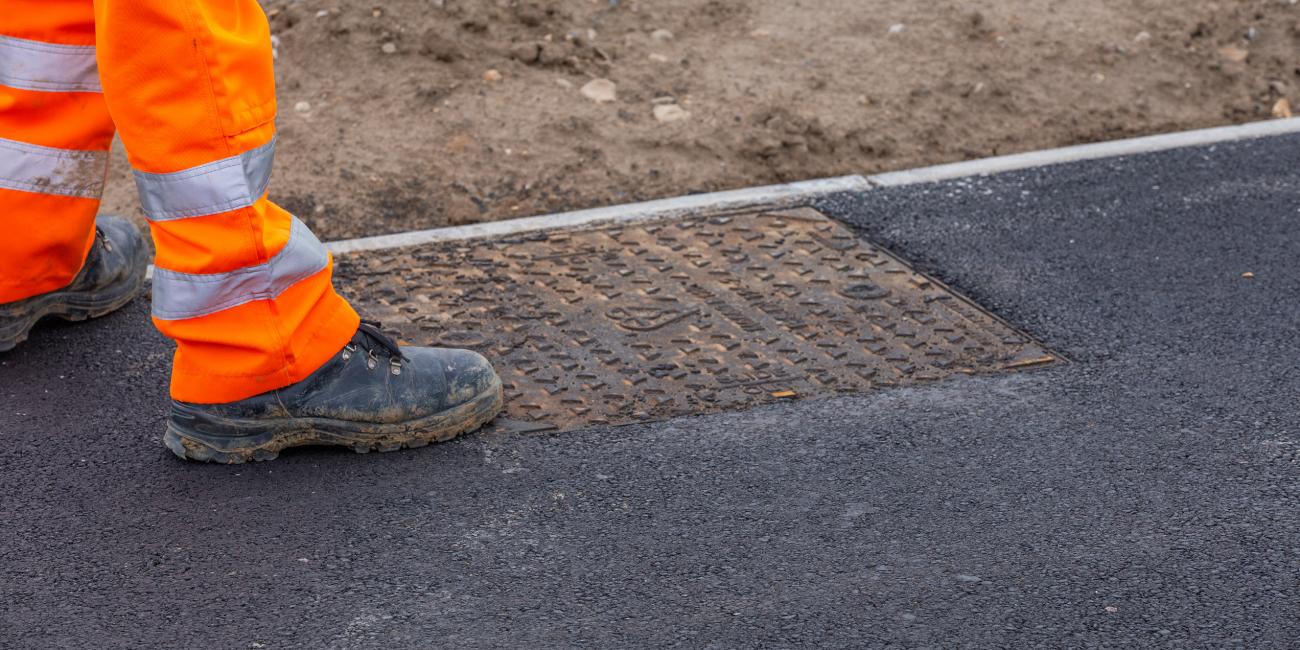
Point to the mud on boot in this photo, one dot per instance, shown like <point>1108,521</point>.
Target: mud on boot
<point>111,277</point>
<point>371,396</point>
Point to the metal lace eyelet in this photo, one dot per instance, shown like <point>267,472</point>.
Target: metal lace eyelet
<point>395,366</point>
<point>370,359</point>
<point>348,350</point>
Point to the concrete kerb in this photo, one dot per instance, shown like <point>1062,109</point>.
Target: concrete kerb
<point>629,213</point>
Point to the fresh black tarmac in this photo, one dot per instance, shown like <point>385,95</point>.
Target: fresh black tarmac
<point>1144,495</point>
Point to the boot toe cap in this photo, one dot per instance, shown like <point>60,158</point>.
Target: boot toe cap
<point>467,374</point>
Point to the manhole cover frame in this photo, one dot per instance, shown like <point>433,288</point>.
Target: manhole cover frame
<point>528,412</point>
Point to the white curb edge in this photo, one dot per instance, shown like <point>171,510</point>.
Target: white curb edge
<point>632,212</point>
<point>1111,149</point>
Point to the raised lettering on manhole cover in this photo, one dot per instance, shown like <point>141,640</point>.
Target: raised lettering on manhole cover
<point>623,324</point>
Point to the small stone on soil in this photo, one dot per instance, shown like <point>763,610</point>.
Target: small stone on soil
<point>662,35</point>
<point>667,113</point>
<point>1234,53</point>
<point>492,76</point>
<point>526,52</point>
<point>1282,109</point>
<point>302,107</point>
<point>600,91</point>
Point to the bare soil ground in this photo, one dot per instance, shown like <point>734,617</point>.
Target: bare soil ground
<point>419,113</point>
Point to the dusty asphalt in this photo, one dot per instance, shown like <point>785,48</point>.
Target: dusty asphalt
<point>1145,495</point>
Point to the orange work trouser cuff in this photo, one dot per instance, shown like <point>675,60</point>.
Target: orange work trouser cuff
<point>334,325</point>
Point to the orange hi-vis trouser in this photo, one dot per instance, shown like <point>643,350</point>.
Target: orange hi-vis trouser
<point>242,286</point>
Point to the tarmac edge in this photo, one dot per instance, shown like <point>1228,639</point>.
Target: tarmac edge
<point>1114,148</point>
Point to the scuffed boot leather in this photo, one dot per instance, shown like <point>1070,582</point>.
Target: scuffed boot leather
<point>112,276</point>
<point>372,395</point>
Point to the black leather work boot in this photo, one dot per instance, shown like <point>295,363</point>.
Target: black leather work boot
<point>112,276</point>
<point>372,395</point>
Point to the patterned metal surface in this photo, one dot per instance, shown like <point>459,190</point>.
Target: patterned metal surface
<point>624,324</point>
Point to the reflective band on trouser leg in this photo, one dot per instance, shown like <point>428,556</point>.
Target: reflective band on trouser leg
<point>241,286</point>
<point>33,65</point>
<point>46,170</point>
<point>54,138</point>
<point>191,295</point>
<point>235,182</point>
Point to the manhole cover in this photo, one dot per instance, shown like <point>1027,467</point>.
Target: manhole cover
<point>623,324</point>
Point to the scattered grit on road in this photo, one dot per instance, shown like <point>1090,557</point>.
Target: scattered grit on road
<point>1144,495</point>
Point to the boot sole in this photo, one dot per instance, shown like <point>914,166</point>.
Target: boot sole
<point>70,306</point>
<point>265,439</point>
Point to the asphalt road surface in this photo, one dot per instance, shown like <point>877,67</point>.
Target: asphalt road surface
<point>1144,495</point>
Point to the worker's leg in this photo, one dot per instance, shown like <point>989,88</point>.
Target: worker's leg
<point>268,356</point>
<point>54,138</point>
<point>242,286</point>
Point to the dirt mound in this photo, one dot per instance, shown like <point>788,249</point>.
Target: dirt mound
<point>419,113</point>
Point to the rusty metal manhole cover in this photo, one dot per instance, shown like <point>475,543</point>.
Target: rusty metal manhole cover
<point>692,315</point>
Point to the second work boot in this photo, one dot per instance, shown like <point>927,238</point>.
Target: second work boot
<point>371,396</point>
<point>112,276</point>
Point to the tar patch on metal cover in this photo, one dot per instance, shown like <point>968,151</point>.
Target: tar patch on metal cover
<point>614,325</point>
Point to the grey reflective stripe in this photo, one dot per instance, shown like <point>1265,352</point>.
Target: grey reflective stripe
<point>46,170</point>
<point>227,184</point>
<point>190,295</point>
<point>33,65</point>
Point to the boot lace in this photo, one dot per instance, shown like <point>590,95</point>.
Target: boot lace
<point>103,240</point>
<point>373,340</point>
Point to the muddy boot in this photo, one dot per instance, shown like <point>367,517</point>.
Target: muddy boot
<point>372,395</point>
<point>112,276</point>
